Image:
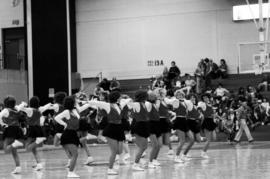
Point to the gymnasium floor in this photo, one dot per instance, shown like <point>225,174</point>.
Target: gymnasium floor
<point>226,161</point>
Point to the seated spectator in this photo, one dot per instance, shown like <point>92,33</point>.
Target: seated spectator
<point>229,125</point>
<point>263,85</point>
<point>115,85</point>
<point>189,84</point>
<point>220,91</point>
<point>105,84</point>
<point>223,69</point>
<point>259,115</point>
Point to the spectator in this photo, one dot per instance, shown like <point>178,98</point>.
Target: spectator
<point>229,125</point>
<point>220,91</point>
<point>173,71</point>
<point>214,71</point>
<point>105,84</point>
<point>115,85</point>
<point>263,85</point>
<point>223,69</point>
<point>207,73</point>
<point>189,83</point>
<point>199,73</point>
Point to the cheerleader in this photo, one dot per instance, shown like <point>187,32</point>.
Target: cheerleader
<point>10,119</point>
<point>155,130</point>
<point>114,131</point>
<point>208,125</point>
<point>34,121</point>
<point>126,126</point>
<point>69,118</point>
<point>84,127</point>
<point>140,126</point>
<point>193,121</point>
<point>58,108</point>
<point>164,114</point>
<point>180,124</point>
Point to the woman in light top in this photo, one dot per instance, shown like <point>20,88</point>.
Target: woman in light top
<point>113,131</point>
<point>10,119</point>
<point>181,126</point>
<point>69,118</point>
<point>34,121</point>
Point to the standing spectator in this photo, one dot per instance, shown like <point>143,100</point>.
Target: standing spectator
<point>199,73</point>
<point>174,70</point>
<point>242,116</point>
<point>223,69</point>
<point>207,73</point>
<point>214,71</point>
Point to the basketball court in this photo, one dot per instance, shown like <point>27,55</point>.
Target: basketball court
<point>226,161</point>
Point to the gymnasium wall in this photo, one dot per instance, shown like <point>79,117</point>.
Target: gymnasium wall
<point>12,82</point>
<point>120,37</point>
<point>11,15</point>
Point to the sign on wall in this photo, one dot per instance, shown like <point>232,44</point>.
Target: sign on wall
<point>154,63</point>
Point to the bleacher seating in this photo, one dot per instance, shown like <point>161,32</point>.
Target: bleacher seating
<point>233,82</point>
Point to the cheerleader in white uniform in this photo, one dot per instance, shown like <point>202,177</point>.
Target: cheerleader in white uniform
<point>194,118</point>
<point>155,130</point>
<point>9,118</point>
<point>164,114</point>
<point>113,131</point>
<point>140,125</point>
<point>208,125</point>
<point>35,135</point>
<point>69,118</point>
<point>181,126</point>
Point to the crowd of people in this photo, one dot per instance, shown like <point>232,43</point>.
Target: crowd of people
<point>152,115</point>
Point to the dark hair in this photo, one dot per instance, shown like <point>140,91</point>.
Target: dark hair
<point>69,102</point>
<point>173,62</point>
<point>105,94</point>
<point>114,96</point>
<point>34,102</point>
<point>141,96</point>
<point>59,97</point>
<point>242,99</point>
<point>9,102</point>
<point>220,84</point>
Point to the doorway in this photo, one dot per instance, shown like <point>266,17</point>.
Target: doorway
<point>14,48</point>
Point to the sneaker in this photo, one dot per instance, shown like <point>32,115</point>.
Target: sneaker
<point>39,140</point>
<point>143,163</point>
<point>136,167</point>
<point>112,172</point>
<point>188,156</point>
<point>204,155</point>
<point>177,159</point>
<point>184,157</point>
<point>251,141</point>
<point>16,144</point>
<point>116,167</point>
<point>170,152</point>
<point>126,156</point>
<point>38,167</point>
<point>91,137</point>
<point>151,165</point>
<point>17,170</point>
<point>68,163</point>
<point>156,163</point>
<point>72,175</point>
<point>89,161</point>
